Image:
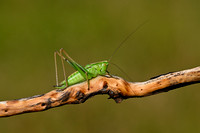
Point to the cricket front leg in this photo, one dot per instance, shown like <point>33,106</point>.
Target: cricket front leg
<point>109,74</point>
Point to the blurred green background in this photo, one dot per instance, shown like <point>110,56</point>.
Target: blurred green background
<point>90,30</point>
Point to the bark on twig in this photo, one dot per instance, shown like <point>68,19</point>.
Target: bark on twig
<point>117,88</point>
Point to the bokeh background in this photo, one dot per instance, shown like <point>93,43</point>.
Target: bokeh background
<point>90,30</point>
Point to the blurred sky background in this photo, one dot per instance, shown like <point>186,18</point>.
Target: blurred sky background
<point>90,30</point>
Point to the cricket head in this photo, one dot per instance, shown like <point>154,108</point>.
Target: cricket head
<point>104,67</point>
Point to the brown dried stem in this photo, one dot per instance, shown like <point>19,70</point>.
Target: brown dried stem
<point>117,88</point>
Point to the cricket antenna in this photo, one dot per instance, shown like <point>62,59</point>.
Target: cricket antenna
<point>134,31</point>
<point>121,71</point>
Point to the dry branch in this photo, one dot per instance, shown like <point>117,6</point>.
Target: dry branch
<point>117,88</point>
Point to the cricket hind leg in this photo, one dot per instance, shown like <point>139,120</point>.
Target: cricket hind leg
<point>84,72</point>
<point>56,67</point>
<point>63,67</point>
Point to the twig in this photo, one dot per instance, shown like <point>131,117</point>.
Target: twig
<point>117,88</point>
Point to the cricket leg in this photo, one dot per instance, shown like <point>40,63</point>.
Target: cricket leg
<point>88,81</point>
<point>63,67</point>
<point>109,74</point>
<point>84,72</point>
<point>56,67</point>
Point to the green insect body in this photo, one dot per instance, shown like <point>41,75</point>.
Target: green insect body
<point>93,70</point>
<point>84,73</point>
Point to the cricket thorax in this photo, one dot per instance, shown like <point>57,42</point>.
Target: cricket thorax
<point>98,68</point>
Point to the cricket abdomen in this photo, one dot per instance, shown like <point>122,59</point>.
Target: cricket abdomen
<point>75,78</point>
